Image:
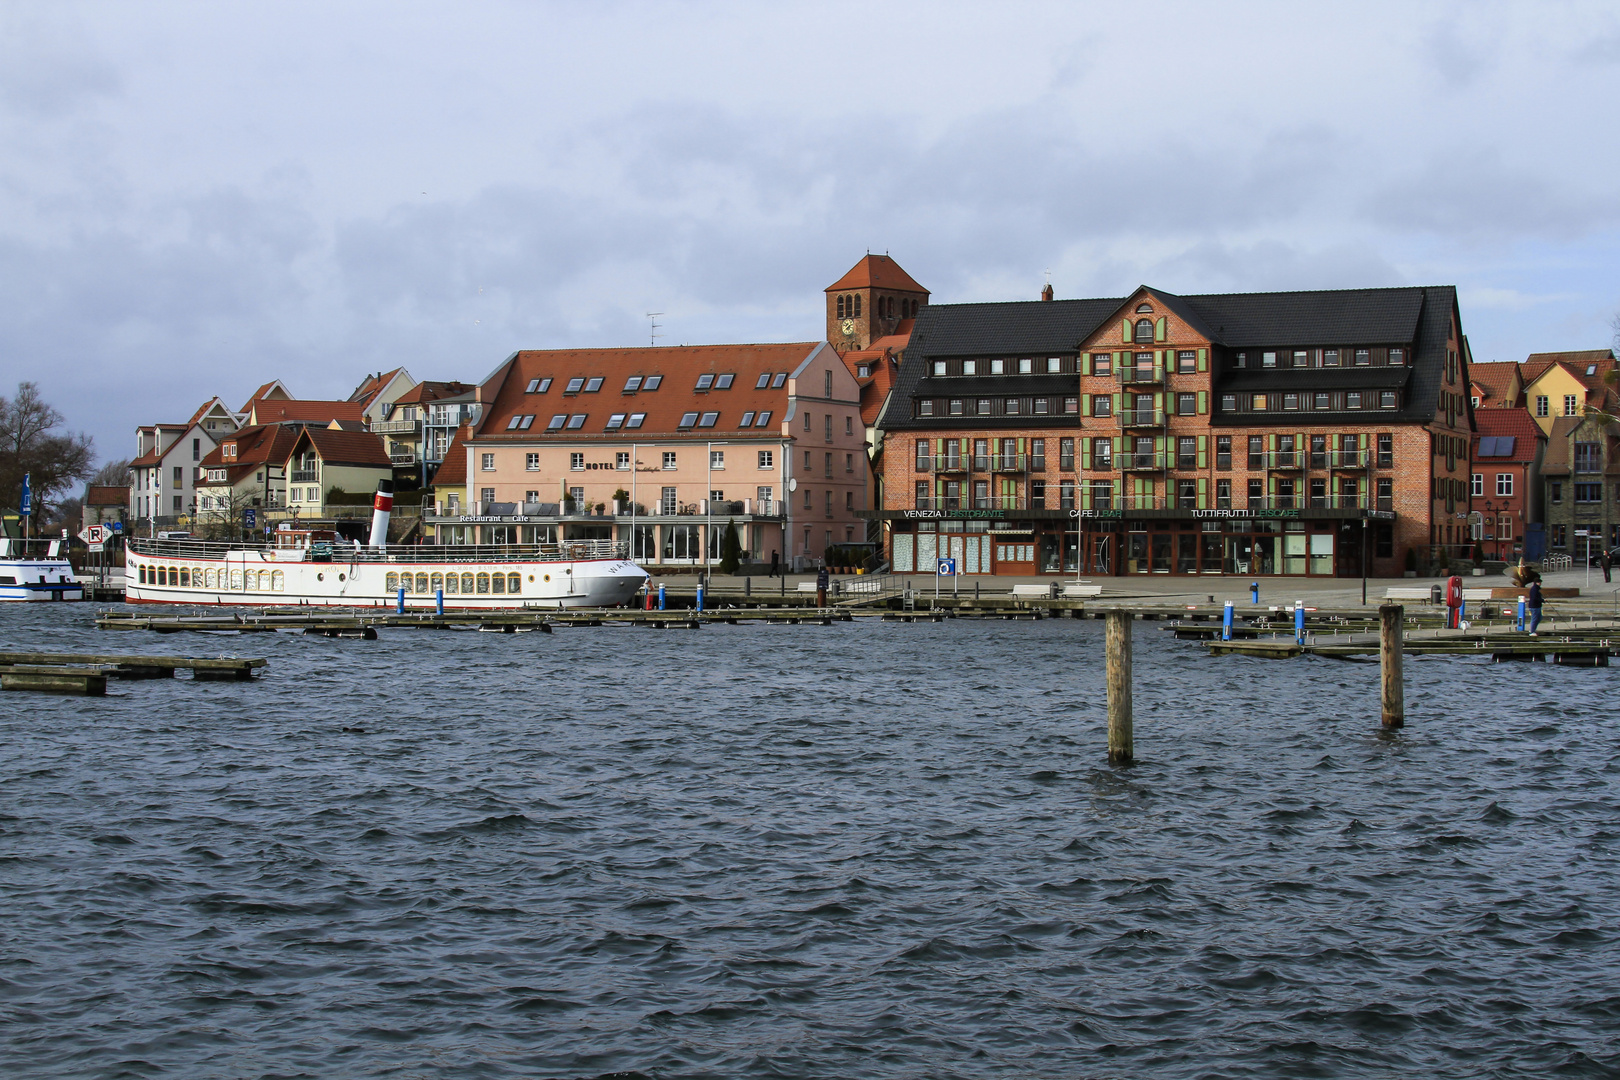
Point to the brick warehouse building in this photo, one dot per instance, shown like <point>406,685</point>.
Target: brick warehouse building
<point>1260,433</point>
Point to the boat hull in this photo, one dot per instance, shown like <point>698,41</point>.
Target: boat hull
<point>36,580</point>
<point>258,579</point>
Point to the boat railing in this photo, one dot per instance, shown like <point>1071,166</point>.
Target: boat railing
<point>347,551</point>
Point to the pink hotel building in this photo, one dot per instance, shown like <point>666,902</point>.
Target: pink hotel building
<point>766,437</point>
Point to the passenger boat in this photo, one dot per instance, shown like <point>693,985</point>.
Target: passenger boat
<point>316,566</point>
<point>45,576</point>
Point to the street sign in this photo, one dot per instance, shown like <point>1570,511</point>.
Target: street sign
<point>947,568</point>
<point>27,506</point>
<point>250,518</point>
<point>93,534</point>
<point>97,548</point>
<point>118,526</point>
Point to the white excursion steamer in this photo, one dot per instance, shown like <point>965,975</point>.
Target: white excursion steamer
<point>46,577</point>
<point>317,567</point>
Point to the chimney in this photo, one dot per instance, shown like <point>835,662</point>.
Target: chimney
<point>1046,292</point>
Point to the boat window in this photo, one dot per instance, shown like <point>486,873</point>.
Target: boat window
<point>466,583</point>
<point>499,583</point>
<point>514,583</point>
<point>450,584</point>
<point>483,583</point>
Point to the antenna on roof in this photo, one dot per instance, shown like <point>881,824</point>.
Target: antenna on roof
<point>1049,275</point>
<point>652,331</point>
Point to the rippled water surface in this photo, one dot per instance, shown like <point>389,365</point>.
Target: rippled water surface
<point>871,850</point>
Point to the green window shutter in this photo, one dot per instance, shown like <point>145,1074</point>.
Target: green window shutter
<point>1158,365</point>
<point>1203,402</point>
<point>1085,404</point>
<point>1203,493</point>
<point>1203,359</point>
<point>1161,329</point>
<point>1085,454</point>
<point>1333,443</point>
<point>1085,363</point>
<point>1271,486</point>
<point>1203,452</point>
<point>1023,446</point>
<point>939,449</point>
<point>1119,446</point>
<point>1158,405</point>
<point>1125,331</point>
<point>1271,443</point>
<point>1085,496</point>
<point>1117,399</point>
<point>1121,361</point>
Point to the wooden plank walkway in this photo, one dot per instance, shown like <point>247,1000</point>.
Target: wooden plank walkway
<point>1586,642</point>
<point>87,673</point>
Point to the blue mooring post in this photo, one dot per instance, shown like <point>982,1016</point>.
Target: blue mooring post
<point>1226,622</point>
<point>1299,621</point>
<point>660,597</point>
<point>700,596</point>
<point>399,601</point>
<point>1254,592</point>
<point>438,601</point>
<point>1520,624</point>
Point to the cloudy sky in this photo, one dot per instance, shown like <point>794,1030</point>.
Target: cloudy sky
<point>196,198</point>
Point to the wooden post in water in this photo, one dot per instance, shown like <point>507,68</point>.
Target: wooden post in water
<point>1391,619</point>
<point>1121,748</point>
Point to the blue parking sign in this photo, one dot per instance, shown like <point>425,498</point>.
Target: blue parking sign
<point>250,517</point>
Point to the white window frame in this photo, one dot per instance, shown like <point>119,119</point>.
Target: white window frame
<point>1504,484</point>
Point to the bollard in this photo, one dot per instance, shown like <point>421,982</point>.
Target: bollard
<point>748,586</point>
<point>700,595</point>
<point>1121,748</point>
<point>1519,625</point>
<point>1392,685</point>
<point>399,601</point>
<point>1226,622</point>
<point>660,596</point>
<point>438,600</point>
<point>1299,621</point>
<point>647,590</point>
<point>1254,592</point>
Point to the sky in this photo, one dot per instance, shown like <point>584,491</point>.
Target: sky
<point>198,198</point>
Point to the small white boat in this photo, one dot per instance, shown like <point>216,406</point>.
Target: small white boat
<point>37,570</point>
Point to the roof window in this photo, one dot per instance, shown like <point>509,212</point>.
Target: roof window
<point>708,419</point>
<point>747,419</point>
<point>652,382</point>
<point>615,422</point>
<point>764,381</point>
<point>779,381</point>
<point>538,386</point>
<point>764,419</point>
<point>576,421</point>
<point>557,422</point>
<point>528,421</point>
<point>593,384</point>
<point>705,381</point>
<point>511,425</point>
<point>688,419</point>
<point>863,371</point>
<point>574,386</point>
<point>636,420</point>
<point>1591,369</point>
<point>723,382</point>
<point>632,384</point>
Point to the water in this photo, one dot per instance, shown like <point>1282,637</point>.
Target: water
<point>871,850</point>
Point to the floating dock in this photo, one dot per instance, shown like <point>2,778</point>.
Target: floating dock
<point>87,673</point>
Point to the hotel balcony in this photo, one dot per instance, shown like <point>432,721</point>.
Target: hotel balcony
<point>305,476</point>
<point>1347,460</point>
<point>950,464</point>
<point>1148,461</point>
<point>1141,376</point>
<point>1141,418</point>
<point>1285,461</point>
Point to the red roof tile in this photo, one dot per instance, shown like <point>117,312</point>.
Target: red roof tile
<point>680,368</point>
<point>1517,423</point>
<point>454,466</point>
<point>99,495</point>
<point>429,390</point>
<point>876,272</point>
<point>276,411</point>
<point>1496,382</point>
<point>360,448</point>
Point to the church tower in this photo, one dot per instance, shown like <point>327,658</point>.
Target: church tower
<point>870,302</point>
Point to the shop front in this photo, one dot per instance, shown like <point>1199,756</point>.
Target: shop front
<point>1275,543</point>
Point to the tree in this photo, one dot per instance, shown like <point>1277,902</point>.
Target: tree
<point>112,474</point>
<point>30,443</point>
<point>730,549</point>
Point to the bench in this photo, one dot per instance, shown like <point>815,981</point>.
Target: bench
<point>1422,594</point>
<point>807,586</point>
<point>1072,589</point>
<point>1032,592</point>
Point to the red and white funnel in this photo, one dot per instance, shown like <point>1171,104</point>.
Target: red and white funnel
<point>382,508</point>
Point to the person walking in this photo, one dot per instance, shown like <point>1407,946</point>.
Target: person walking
<point>1532,600</point>
<point>1605,562</point>
<point>776,563</point>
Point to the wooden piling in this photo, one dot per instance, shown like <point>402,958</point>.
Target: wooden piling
<point>1121,745</point>
<point>1391,624</point>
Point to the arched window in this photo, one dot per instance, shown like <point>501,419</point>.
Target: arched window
<point>451,584</point>
<point>391,582</point>
<point>840,307</point>
<point>421,583</point>
<point>499,583</point>
<point>1144,309</point>
<point>466,583</point>
<point>1144,330</point>
<point>483,583</point>
<point>514,583</point>
<point>857,305</point>
<point>436,582</point>
<point>278,581</point>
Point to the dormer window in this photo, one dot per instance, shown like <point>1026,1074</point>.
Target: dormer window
<point>1144,330</point>
<point>862,371</point>
<point>939,367</point>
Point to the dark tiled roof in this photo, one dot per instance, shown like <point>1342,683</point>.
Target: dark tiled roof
<point>1338,317</point>
<point>1021,326</point>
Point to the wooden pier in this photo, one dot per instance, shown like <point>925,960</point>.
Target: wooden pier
<point>87,673</point>
<point>1571,642</point>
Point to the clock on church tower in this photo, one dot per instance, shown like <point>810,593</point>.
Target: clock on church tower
<point>870,302</point>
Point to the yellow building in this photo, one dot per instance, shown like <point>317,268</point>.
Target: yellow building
<point>1563,384</point>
